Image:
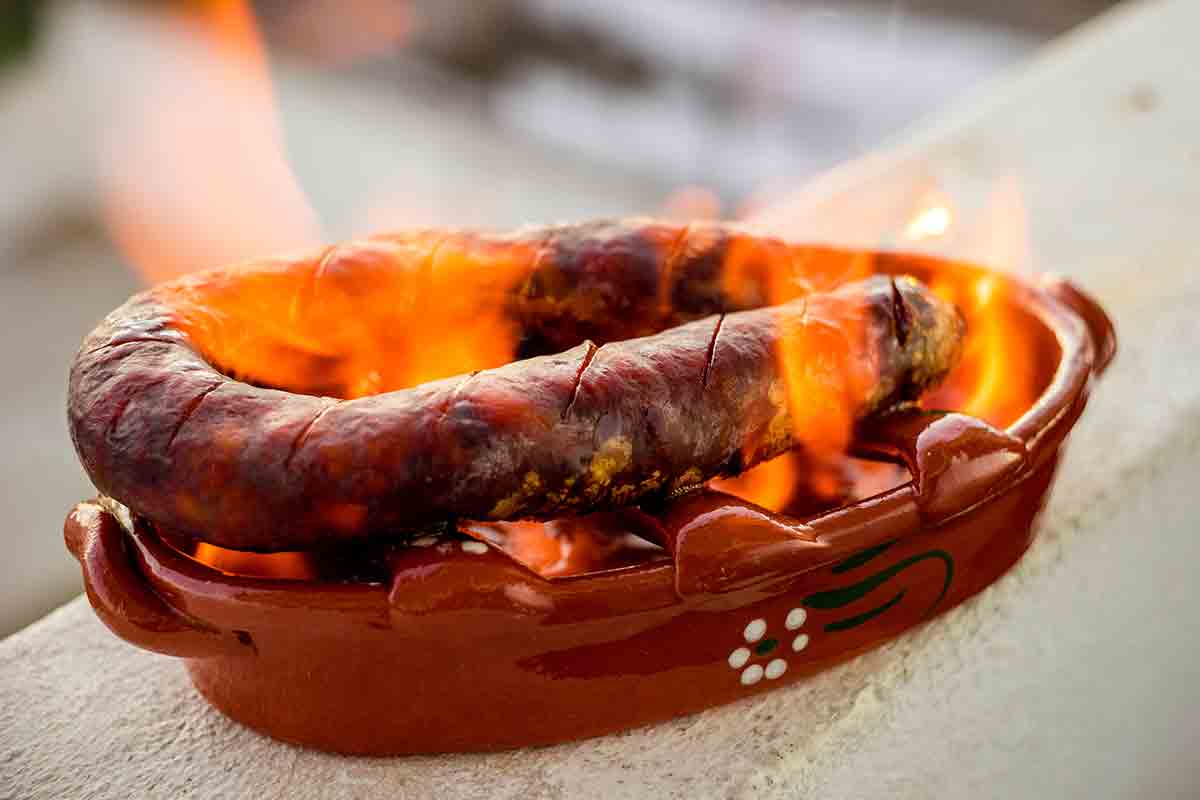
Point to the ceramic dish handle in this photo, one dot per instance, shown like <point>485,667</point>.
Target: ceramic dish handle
<point>956,460</point>
<point>122,598</point>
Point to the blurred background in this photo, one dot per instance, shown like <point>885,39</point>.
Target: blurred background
<point>141,140</point>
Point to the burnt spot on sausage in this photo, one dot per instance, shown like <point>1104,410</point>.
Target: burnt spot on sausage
<point>535,343</point>
<point>667,273</point>
<point>696,287</point>
<point>901,316</point>
<point>609,260</point>
<point>735,465</point>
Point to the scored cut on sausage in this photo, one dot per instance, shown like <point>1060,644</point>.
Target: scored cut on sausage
<point>159,426</point>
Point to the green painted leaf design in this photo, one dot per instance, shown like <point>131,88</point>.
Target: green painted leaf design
<point>853,622</point>
<point>837,598</point>
<point>858,559</point>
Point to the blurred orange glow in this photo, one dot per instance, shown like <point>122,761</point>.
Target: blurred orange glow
<point>194,171</point>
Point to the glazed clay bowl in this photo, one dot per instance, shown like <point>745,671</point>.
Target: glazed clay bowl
<point>456,646</point>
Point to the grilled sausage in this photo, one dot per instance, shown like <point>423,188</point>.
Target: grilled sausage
<point>158,426</point>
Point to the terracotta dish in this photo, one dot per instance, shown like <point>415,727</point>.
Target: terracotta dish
<point>452,644</point>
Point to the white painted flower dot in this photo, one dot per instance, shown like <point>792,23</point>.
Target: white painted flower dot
<point>739,657</point>
<point>776,668</point>
<point>425,541</point>
<point>800,642</point>
<point>478,548</point>
<point>795,618</point>
<point>755,630</point>
<point>752,674</point>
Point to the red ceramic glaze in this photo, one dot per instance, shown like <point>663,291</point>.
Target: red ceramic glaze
<point>459,647</point>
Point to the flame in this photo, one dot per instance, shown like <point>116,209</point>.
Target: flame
<point>769,485</point>
<point>781,482</point>
<point>362,318</point>
<point>575,545</point>
<point>822,373</point>
<point>820,381</point>
<point>995,380</point>
<point>193,169</point>
<point>905,206</point>
<point>292,566</point>
<point>933,221</point>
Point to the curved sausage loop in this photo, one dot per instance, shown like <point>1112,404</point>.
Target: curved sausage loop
<point>122,598</point>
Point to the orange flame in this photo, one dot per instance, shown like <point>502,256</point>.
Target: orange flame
<point>770,485</point>
<point>822,376</point>
<point>790,483</point>
<point>830,209</point>
<point>819,377</point>
<point>194,172</point>
<point>994,381</point>
<point>291,566</point>
<point>362,318</point>
<point>574,545</point>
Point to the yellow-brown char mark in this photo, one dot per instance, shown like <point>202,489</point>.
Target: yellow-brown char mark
<point>245,466</point>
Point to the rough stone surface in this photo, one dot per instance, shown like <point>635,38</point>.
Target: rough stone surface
<point>1073,676</point>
